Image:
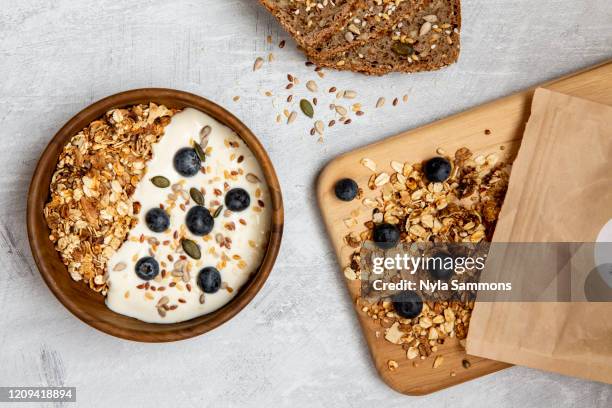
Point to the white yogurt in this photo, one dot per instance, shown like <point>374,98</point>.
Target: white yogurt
<point>228,161</point>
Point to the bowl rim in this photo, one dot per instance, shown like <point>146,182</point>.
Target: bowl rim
<point>40,186</point>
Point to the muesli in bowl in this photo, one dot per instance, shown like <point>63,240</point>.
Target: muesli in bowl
<point>164,212</point>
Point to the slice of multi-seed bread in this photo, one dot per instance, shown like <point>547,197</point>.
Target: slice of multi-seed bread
<point>424,39</point>
<point>369,20</point>
<point>311,22</point>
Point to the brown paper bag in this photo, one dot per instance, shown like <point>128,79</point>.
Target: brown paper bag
<point>560,191</point>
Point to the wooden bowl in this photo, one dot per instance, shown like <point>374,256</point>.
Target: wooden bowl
<point>77,297</point>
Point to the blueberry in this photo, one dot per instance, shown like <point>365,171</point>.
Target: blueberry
<point>186,162</point>
<point>346,189</point>
<point>437,169</point>
<point>386,236</point>
<point>209,279</point>
<point>157,220</point>
<point>407,304</point>
<point>147,268</point>
<point>199,221</point>
<point>237,199</point>
<point>440,266</point>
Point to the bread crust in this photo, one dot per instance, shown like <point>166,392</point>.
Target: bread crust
<point>382,61</point>
<point>294,14</point>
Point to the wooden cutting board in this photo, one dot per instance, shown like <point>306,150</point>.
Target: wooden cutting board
<point>506,119</point>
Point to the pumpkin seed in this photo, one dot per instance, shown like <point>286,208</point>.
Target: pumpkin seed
<point>191,248</point>
<point>307,108</point>
<point>402,49</point>
<point>196,195</point>
<point>160,181</point>
<point>199,152</point>
<point>218,211</point>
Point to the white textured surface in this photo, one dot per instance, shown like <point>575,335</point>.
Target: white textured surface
<point>298,343</point>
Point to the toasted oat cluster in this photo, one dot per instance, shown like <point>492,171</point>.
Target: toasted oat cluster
<point>464,208</point>
<point>90,211</point>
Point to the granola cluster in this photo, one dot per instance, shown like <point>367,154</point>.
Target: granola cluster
<point>90,211</point>
<point>464,208</point>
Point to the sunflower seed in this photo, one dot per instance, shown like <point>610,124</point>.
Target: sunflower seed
<point>258,63</point>
<point>191,248</point>
<point>196,195</point>
<point>425,29</point>
<point>312,86</point>
<point>160,181</point>
<point>119,267</point>
<point>161,311</point>
<point>292,117</point>
<point>252,178</point>
<point>202,299</point>
<point>204,135</point>
<point>350,94</point>
<point>218,211</point>
<point>341,110</point>
<point>319,126</point>
<point>163,301</point>
<point>380,102</point>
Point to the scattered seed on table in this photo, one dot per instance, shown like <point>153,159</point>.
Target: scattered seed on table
<point>487,131</point>
<point>348,121</point>
<point>331,123</point>
<point>314,101</point>
<point>236,98</point>
<point>278,118</point>
<point>350,94</point>
<point>269,39</point>
<point>312,86</point>
<point>317,69</point>
<point>268,93</point>
<point>319,127</point>
<point>332,89</point>
<point>292,117</point>
<point>321,74</point>
<point>289,98</point>
<point>395,102</point>
<point>289,86</point>
<point>312,132</point>
<point>289,77</point>
<point>308,64</point>
<point>258,63</point>
<point>405,98</point>
<point>359,113</point>
<point>341,110</point>
<point>270,57</point>
<point>307,108</point>
<point>380,102</point>
<point>281,44</point>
